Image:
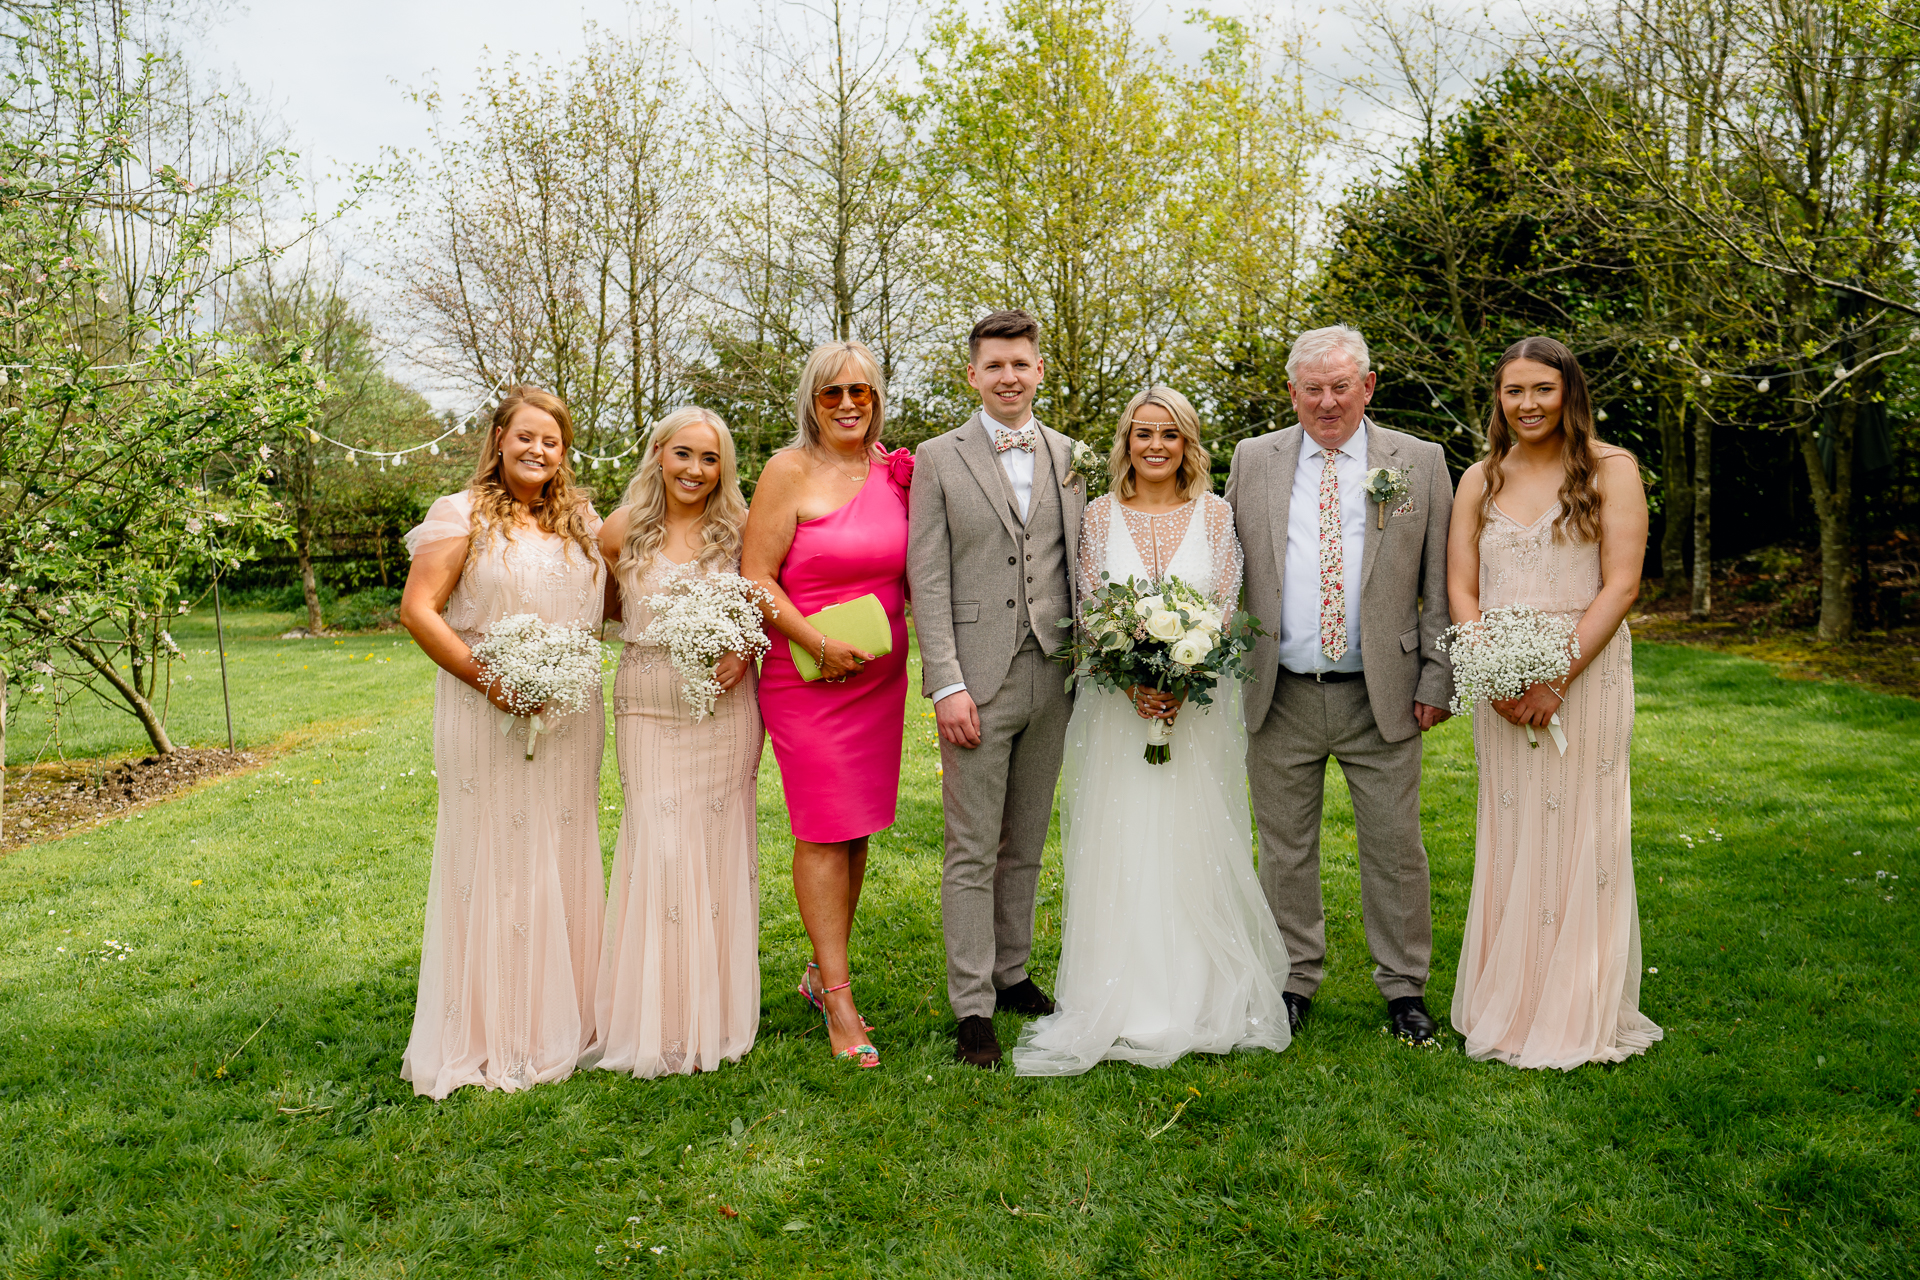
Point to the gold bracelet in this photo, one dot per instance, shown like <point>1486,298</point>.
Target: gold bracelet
<point>823,651</point>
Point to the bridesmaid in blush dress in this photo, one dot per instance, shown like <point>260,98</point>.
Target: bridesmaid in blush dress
<point>1556,521</point>
<point>679,986</point>
<point>512,937</point>
<point>829,525</point>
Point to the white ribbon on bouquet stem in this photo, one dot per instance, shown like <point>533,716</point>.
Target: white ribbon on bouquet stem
<point>535,725</point>
<point>1553,728</point>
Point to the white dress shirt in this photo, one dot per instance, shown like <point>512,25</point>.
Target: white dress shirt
<point>1300,590</point>
<point>1018,466</point>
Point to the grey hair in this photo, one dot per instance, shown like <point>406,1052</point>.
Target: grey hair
<point>1315,345</point>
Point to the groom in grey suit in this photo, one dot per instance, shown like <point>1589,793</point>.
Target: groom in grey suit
<point>1354,592</point>
<point>994,528</point>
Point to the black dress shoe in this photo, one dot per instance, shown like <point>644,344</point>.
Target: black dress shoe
<point>976,1043</point>
<point>1297,1007</point>
<point>1023,997</point>
<point>1411,1021</point>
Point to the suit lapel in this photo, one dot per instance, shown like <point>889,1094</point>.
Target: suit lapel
<point>1287,445</point>
<point>976,448</point>
<point>1380,453</point>
<point>1072,504</point>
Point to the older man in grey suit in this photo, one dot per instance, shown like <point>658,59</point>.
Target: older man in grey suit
<point>994,528</point>
<point>1354,590</point>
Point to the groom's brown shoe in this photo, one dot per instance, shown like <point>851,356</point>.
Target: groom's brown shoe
<point>976,1043</point>
<point>1023,997</point>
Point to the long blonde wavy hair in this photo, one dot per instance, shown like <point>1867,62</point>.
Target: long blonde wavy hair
<point>1195,475</point>
<point>561,508</point>
<point>646,501</point>
<point>1579,495</point>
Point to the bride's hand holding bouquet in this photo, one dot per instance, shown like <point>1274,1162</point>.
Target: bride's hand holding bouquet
<point>1160,644</point>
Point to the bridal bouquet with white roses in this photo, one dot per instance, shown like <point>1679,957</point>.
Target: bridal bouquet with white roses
<point>1503,654</point>
<point>538,666</point>
<point>1166,636</point>
<point>699,619</point>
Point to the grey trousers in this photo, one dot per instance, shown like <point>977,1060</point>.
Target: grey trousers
<point>1287,772</point>
<point>998,798</point>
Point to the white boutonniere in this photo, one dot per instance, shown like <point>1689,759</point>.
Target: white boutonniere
<point>1390,485</point>
<point>1083,467</point>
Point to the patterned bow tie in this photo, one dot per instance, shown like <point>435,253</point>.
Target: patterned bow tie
<point>1025,438</point>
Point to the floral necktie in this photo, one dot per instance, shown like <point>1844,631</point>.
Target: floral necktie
<point>1333,566</point>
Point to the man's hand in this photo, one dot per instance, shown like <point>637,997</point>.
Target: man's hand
<point>958,719</point>
<point>1427,717</point>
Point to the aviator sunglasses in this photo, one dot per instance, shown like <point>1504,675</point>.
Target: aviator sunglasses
<point>859,392</point>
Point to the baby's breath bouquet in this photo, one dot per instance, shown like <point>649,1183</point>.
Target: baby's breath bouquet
<point>1504,654</point>
<point>538,666</point>
<point>1166,636</point>
<point>699,619</point>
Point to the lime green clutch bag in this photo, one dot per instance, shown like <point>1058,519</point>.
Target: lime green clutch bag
<point>861,623</point>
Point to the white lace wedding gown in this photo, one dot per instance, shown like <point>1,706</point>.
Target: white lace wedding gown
<point>1168,946</point>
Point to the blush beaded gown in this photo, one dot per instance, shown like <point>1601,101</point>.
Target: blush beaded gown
<point>1550,963</point>
<point>679,987</point>
<point>514,902</point>
<point>1167,945</point>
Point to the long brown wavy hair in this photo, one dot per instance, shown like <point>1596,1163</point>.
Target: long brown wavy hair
<point>1579,495</point>
<point>561,507</point>
<point>646,499</point>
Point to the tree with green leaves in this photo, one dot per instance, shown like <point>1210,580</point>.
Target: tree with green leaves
<point>1053,142</point>
<point>133,443</point>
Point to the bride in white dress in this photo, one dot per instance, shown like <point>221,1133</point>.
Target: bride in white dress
<point>1168,946</point>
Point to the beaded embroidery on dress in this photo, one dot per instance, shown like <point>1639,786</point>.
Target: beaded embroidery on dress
<point>1167,945</point>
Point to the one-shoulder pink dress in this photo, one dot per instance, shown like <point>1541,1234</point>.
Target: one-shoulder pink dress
<point>838,745</point>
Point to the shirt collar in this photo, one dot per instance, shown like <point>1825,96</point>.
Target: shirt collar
<point>994,428</point>
<point>1355,447</point>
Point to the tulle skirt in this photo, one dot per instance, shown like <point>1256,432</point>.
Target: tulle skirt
<point>1168,946</point>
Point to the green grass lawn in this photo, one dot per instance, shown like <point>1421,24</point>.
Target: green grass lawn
<point>1773,1133</point>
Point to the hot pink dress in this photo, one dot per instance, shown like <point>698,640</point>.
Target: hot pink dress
<point>838,745</point>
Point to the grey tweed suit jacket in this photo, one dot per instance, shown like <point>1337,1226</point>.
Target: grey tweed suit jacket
<point>1403,573</point>
<point>966,558</point>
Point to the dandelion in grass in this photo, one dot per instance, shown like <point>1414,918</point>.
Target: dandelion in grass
<point>539,667</point>
<point>701,618</point>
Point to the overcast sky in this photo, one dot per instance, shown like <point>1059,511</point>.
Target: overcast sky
<point>337,72</point>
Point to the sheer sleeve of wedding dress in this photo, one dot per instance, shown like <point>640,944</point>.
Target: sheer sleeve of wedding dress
<point>1229,562</point>
<point>1094,524</point>
<point>1168,946</point>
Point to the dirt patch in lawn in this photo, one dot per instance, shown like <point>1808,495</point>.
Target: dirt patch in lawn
<point>56,796</point>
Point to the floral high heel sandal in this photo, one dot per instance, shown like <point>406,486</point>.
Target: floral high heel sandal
<point>814,998</point>
<point>864,1056</point>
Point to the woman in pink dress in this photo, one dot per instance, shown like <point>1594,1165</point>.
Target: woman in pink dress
<point>1554,520</point>
<point>829,525</point>
<point>512,938</point>
<point>679,987</point>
